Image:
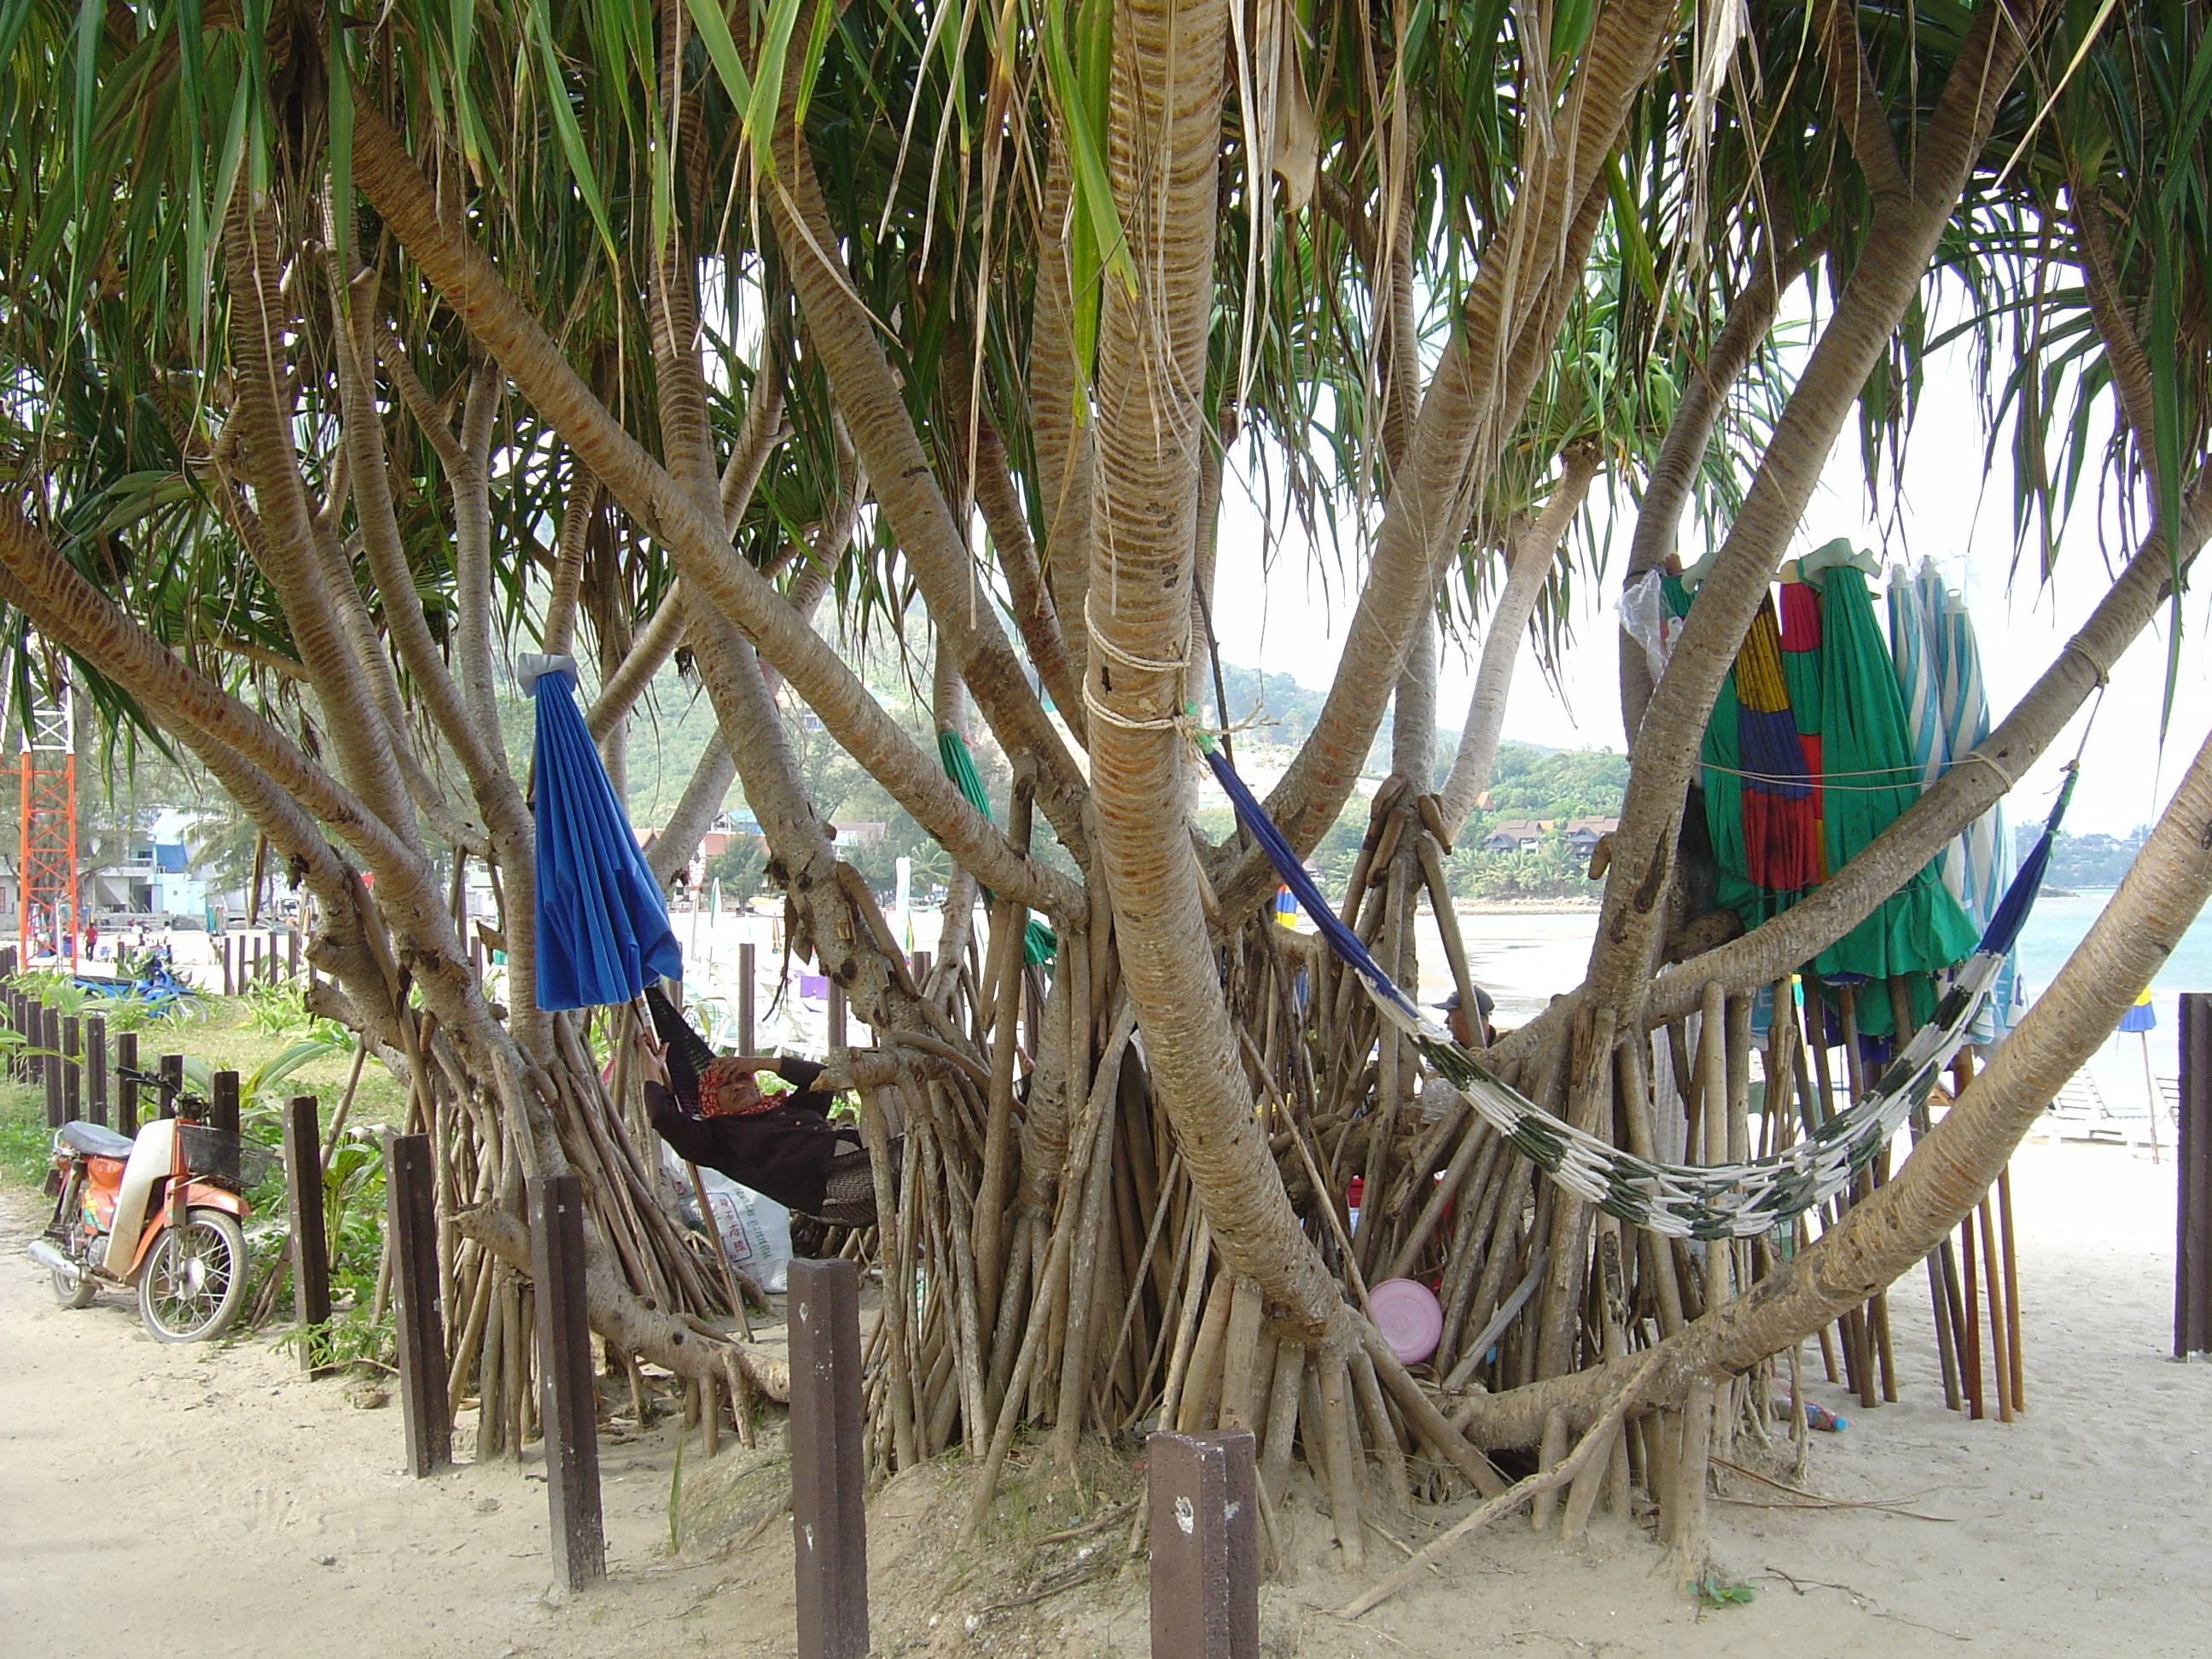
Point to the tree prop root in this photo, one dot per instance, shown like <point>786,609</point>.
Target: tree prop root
<point>1598,1437</point>
<point>617,1314</point>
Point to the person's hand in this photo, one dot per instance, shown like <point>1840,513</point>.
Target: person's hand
<point>653,1058</point>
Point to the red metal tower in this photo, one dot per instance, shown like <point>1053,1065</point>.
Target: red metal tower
<point>46,860</point>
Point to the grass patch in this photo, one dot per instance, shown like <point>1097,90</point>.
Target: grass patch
<point>25,1140</point>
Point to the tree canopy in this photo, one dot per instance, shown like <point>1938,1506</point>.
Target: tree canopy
<point>348,353</point>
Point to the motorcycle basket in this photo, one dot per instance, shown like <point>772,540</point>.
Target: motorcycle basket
<point>220,1156</point>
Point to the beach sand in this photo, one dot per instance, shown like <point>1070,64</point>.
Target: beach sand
<point>208,1500</point>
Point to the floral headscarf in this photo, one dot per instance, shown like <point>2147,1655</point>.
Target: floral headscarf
<point>729,1089</point>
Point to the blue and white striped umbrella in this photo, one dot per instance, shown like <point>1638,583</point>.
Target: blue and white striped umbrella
<point>1948,709</point>
<point>1912,647</point>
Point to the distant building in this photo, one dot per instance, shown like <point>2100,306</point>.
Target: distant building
<point>1516,835</point>
<point>1582,836</point>
<point>156,878</point>
<point>1527,835</point>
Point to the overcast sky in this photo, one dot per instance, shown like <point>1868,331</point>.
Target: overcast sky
<point>1286,621</point>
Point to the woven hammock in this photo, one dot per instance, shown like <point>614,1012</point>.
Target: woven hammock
<point>1709,1200</point>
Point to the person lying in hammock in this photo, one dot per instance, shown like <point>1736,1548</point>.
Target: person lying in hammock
<point>782,1146</point>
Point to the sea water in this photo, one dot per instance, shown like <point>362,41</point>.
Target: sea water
<point>2057,925</point>
<point>1525,957</point>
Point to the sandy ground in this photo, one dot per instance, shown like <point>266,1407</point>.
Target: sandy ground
<point>210,1501</point>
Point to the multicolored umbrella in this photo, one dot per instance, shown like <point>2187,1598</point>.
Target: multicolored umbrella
<point>1762,812</point>
<point>603,931</point>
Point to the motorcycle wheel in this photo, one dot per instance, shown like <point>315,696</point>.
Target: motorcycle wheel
<point>194,1280</point>
<point>73,1292</point>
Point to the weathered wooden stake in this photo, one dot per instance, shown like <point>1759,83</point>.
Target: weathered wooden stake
<point>567,1401</point>
<point>222,954</point>
<point>412,1235</point>
<point>830,1527</point>
<point>745,999</point>
<point>837,1032</point>
<point>2192,1263</point>
<point>172,1069</point>
<point>95,1069</point>
<point>223,1101</point>
<point>311,1255</point>
<point>126,1090</point>
<point>292,954</point>
<point>1202,1493</point>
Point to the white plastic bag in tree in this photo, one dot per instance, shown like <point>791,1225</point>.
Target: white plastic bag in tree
<point>1644,614</point>
<point>756,1231</point>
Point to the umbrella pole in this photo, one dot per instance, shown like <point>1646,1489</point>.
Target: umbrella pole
<point>730,1280</point>
<point>1821,1105</point>
<point>2150,1096</point>
<point>1877,1367</point>
<point>1947,1352</point>
<point>721,1251</point>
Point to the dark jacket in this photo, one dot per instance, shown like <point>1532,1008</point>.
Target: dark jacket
<point>783,1152</point>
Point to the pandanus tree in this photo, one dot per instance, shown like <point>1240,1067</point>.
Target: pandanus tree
<point>348,354</point>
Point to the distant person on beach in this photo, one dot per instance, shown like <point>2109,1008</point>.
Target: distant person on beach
<point>782,1146</point>
<point>1470,1028</point>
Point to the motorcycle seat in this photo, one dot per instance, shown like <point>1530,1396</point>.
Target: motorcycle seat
<point>94,1141</point>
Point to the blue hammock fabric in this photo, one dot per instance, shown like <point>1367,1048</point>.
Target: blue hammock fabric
<point>1716,1201</point>
<point>603,931</point>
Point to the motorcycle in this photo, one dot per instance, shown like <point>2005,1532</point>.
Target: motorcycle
<point>163,1212</point>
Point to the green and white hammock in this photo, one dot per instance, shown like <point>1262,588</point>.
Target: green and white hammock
<point>1709,1200</point>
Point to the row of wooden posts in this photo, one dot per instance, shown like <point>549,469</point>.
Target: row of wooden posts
<point>67,1057</point>
<point>1202,1487</point>
<point>250,957</point>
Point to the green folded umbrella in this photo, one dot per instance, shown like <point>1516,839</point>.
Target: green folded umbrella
<point>1870,776</point>
<point>1039,945</point>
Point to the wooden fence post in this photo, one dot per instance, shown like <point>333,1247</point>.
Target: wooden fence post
<point>222,954</point>
<point>223,1101</point>
<point>292,954</point>
<point>1200,1493</point>
<point>2192,1263</point>
<point>50,1038</point>
<point>568,1400</point>
<point>126,1089</point>
<point>95,1068</point>
<point>828,1525</point>
<point>311,1252</point>
<point>72,1066</point>
<point>837,1033</point>
<point>411,1235</point>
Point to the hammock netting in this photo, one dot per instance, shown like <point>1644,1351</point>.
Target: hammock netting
<point>1709,1200</point>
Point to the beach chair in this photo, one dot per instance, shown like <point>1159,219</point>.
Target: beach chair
<point>2127,1119</point>
<point>2077,1111</point>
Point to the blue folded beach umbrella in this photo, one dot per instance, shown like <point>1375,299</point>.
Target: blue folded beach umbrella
<point>603,931</point>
